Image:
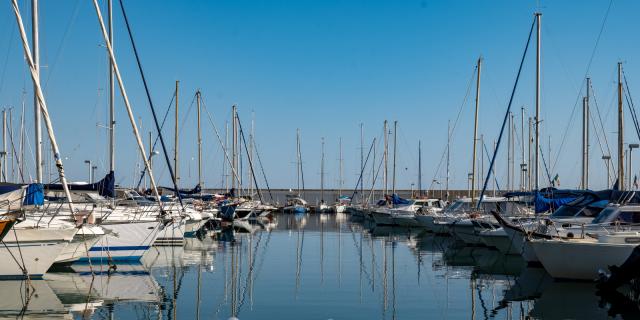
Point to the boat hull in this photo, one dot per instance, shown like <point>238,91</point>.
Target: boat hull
<point>382,218</point>
<point>579,260</point>
<point>465,231</point>
<point>35,249</point>
<point>520,245</point>
<point>78,247</point>
<point>124,241</point>
<point>500,240</point>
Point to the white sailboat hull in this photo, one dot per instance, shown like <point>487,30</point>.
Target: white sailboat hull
<point>499,239</point>
<point>382,218</point>
<point>82,242</point>
<point>124,241</point>
<point>465,231</point>
<point>520,245</point>
<point>577,259</point>
<point>36,249</point>
<point>172,234</point>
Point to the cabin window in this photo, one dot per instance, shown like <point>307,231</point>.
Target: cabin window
<point>629,217</point>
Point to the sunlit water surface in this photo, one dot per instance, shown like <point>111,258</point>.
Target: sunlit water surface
<point>311,267</point>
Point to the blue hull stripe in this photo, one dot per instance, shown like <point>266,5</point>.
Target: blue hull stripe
<point>21,277</point>
<point>99,259</point>
<point>121,248</point>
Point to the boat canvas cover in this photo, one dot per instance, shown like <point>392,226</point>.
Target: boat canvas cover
<point>197,189</point>
<point>397,200</point>
<point>11,200</point>
<point>543,204</point>
<point>34,195</point>
<point>105,187</point>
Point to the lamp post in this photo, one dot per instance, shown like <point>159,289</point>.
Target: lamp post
<point>88,162</point>
<point>631,147</point>
<point>93,173</point>
<point>469,178</point>
<point>607,159</point>
<point>439,184</point>
<point>523,176</point>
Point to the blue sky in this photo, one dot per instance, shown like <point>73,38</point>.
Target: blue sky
<point>324,67</point>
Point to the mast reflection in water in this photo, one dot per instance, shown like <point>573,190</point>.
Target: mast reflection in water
<point>312,267</point>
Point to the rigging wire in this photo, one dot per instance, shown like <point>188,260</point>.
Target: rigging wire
<point>255,146</point>
<point>253,174</point>
<point>153,111</point>
<point>455,123</point>
<point>164,119</point>
<point>506,115</point>
<point>632,108</point>
<point>575,105</point>
<point>601,123</point>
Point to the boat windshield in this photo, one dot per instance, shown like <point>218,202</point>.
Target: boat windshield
<point>607,215</point>
<point>458,205</point>
<point>617,214</point>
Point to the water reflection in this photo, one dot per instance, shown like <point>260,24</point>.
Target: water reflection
<point>313,266</point>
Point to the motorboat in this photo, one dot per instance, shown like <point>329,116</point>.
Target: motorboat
<point>584,258</point>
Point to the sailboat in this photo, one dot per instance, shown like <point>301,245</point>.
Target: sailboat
<point>295,202</point>
<point>343,201</point>
<point>323,207</point>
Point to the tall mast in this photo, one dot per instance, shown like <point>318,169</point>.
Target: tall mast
<point>481,161</point>
<point>199,142</point>
<point>35,77</point>
<point>385,174</point>
<point>419,168</point>
<point>234,150</point>
<point>176,141</point>
<point>475,134</point>
<point>340,162</point>
<point>509,134</point>
<point>584,181</point>
<point>150,153</point>
<point>373,173</point>
<point>250,155</point>
<point>587,130</point>
<point>513,153</point>
<point>620,131</point>
<point>448,153</point>
<point>395,149</point>
<point>529,169</point>
<point>537,119</point>
<point>298,165</point>
<point>112,114</point>
<point>35,39</point>
<point>322,173</point>
<point>523,163</point>
<point>12,150</point>
<point>22,145</point>
<point>362,162</point>
<point>4,145</point>
<point>225,177</point>
<point>493,172</point>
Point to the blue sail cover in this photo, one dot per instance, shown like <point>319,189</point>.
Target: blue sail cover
<point>105,187</point>
<point>543,204</point>
<point>34,194</point>
<point>397,200</point>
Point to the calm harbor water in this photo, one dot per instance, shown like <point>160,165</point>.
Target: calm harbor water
<point>312,267</point>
